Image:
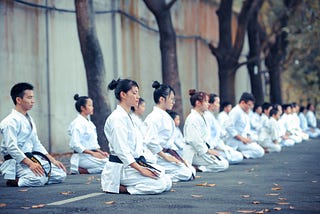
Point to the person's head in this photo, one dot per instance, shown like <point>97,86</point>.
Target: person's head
<point>275,113</point>
<point>295,107</point>
<point>226,106</point>
<point>246,101</point>
<point>139,110</point>
<point>266,108</point>
<point>279,107</point>
<point>126,91</point>
<point>22,96</point>
<point>303,110</point>
<point>163,95</point>
<point>310,107</point>
<point>214,102</point>
<point>199,100</point>
<point>83,105</point>
<point>257,109</point>
<point>287,108</point>
<point>175,116</point>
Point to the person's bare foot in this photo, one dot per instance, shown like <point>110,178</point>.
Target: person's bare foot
<point>123,189</point>
<point>12,183</point>
<point>83,170</point>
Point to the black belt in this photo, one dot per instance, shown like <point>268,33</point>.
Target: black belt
<point>31,156</point>
<point>140,160</point>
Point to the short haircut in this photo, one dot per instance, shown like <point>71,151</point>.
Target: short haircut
<point>246,97</point>
<point>18,90</point>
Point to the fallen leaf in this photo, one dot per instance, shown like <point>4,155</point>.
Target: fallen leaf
<point>282,199</point>
<point>172,190</point>
<point>211,185</point>
<point>197,196</point>
<point>277,208</point>
<point>223,212</point>
<point>256,202</point>
<point>23,190</point>
<point>245,196</point>
<point>246,211</point>
<point>38,206</point>
<point>3,204</point>
<point>203,184</point>
<point>283,203</point>
<point>273,194</point>
<point>291,207</point>
<point>197,176</point>
<point>88,183</point>
<point>240,182</point>
<point>276,188</point>
<point>260,212</point>
<point>275,184</point>
<point>314,181</point>
<point>25,208</point>
<point>66,193</point>
<point>109,202</point>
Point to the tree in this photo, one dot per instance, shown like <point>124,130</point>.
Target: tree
<point>168,47</point>
<point>228,52</point>
<point>94,65</point>
<point>253,58</point>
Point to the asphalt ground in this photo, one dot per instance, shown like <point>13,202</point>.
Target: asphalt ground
<point>285,182</point>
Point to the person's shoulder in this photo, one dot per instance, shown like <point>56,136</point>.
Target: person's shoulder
<point>10,119</point>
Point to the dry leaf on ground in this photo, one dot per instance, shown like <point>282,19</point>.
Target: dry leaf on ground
<point>246,211</point>
<point>273,194</point>
<point>25,208</point>
<point>245,196</point>
<point>277,208</point>
<point>109,202</point>
<point>276,188</point>
<point>38,206</point>
<point>223,212</point>
<point>256,202</point>
<point>23,190</point>
<point>3,205</point>
<point>291,207</point>
<point>283,203</point>
<point>211,185</point>
<point>203,184</point>
<point>197,196</point>
<point>66,193</point>
<point>282,199</point>
<point>172,190</point>
<point>197,176</point>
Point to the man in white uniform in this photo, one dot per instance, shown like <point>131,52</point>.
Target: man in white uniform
<point>312,120</point>
<point>19,138</point>
<point>239,129</point>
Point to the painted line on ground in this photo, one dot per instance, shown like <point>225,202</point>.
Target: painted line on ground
<point>70,200</point>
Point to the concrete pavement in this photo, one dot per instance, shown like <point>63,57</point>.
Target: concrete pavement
<point>286,182</point>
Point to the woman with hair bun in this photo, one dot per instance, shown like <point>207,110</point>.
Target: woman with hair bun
<point>127,170</point>
<point>87,158</point>
<point>160,135</point>
<point>199,149</point>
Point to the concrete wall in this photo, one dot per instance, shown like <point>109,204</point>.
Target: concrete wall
<point>42,47</point>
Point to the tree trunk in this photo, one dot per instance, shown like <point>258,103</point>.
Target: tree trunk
<point>169,62</point>
<point>254,62</point>
<point>227,53</point>
<point>94,65</point>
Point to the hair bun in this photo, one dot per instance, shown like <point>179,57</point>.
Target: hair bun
<point>155,84</point>
<point>76,97</point>
<point>113,84</point>
<point>192,92</point>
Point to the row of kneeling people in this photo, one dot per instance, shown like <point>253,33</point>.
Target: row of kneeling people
<point>145,157</point>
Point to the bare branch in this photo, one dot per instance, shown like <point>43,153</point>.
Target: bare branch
<point>168,6</point>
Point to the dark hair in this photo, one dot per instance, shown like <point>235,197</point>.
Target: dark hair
<point>224,104</point>
<point>308,106</point>
<point>196,96</point>
<point>286,106</point>
<point>212,97</point>
<point>256,106</point>
<point>161,90</point>
<point>302,108</point>
<point>246,97</point>
<point>172,114</point>
<point>139,103</point>
<point>273,111</point>
<point>266,106</point>
<point>18,90</point>
<point>120,85</point>
<point>81,101</point>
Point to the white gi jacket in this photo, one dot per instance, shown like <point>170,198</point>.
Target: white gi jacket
<point>18,137</point>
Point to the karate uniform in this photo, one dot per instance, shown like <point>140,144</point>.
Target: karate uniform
<point>19,135</point>
<point>226,151</point>
<point>160,135</point>
<point>122,137</point>
<point>224,121</point>
<point>313,133</point>
<point>288,125</point>
<point>83,136</point>
<point>198,139</point>
<point>312,122</point>
<point>268,133</point>
<point>241,126</point>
